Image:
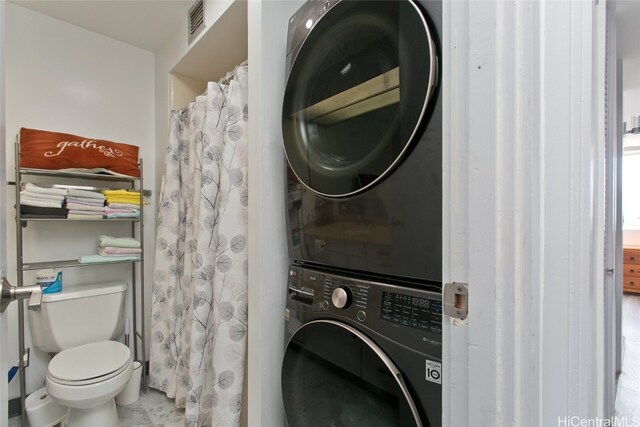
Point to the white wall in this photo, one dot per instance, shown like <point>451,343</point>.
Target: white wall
<point>630,89</point>
<point>630,107</point>
<point>63,78</point>
<point>268,21</point>
<point>218,48</point>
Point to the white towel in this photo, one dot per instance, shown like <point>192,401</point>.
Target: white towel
<point>82,216</point>
<point>42,196</point>
<point>85,201</point>
<point>73,192</point>
<point>81,212</point>
<point>44,190</point>
<point>81,207</point>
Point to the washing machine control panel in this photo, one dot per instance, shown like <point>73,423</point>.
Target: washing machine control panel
<point>413,311</point>
<point>368,303</point>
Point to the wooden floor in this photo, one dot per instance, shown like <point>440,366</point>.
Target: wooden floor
<point>628,396</point>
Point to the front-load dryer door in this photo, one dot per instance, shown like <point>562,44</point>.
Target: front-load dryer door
<point>358,93</point>
<point>334,375</point>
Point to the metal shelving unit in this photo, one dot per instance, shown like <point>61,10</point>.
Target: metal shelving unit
<point>137,288</point>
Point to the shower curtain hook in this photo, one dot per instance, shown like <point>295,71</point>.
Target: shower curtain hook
<point>231,74</point>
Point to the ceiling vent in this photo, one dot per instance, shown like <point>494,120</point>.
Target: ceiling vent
<point>196,19</point>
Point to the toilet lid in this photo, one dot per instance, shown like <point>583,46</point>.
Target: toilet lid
<point>89,361</point>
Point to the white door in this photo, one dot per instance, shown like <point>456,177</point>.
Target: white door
<point>3,223</point>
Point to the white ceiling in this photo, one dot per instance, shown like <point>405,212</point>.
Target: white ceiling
<point>147,24</point>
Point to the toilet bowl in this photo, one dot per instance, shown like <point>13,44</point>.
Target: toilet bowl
<point>87,378</point>
<point>89,369</point>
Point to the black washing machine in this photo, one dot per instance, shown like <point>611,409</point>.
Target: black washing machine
<point>361,353</point>
<point>362,129</point>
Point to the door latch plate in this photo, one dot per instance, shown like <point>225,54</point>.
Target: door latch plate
<point>456,300</point>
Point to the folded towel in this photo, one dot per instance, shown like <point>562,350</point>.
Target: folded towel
<point>42,196</point>
<point>73,192</point>
<point>44,190</point>
<point>85,201</point>
<point>120,192</point>
<point>84,212</point>
<point>89,259</point>
<point>109,210</point>
<point>123,206</point>
<point>122,215</point>
<point>40,203</point>
<point>38,216</point>
<point>111,251</point>
<point>131,200</point>
<point>122,196</point>
<point>121,242</point>
<point>34,210</point>
<point>75,215</point>
<point>82,207</point>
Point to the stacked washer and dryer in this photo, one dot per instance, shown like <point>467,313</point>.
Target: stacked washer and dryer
<point>362,128</point>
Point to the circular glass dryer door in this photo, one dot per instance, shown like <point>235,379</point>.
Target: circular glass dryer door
<point>358,93</point>
<point>333,375</point>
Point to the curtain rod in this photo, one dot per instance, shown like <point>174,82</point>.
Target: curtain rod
<point>224,80</point>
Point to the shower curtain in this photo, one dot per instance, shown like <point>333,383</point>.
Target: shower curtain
<point>199,303</point>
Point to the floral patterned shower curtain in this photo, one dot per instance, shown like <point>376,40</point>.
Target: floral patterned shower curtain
<point>199,304</point>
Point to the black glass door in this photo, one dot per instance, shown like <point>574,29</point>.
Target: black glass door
<point>358,93</point>
<point>333,375</point>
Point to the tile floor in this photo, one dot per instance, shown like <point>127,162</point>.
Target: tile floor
<point>153,409</point>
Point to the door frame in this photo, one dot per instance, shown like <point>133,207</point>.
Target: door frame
<point>4,365</point>
<point>612,96</point>
<point>523,211</point>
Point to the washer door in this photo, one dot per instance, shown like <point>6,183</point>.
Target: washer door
<point>358,92</point>
<point>333,375</point>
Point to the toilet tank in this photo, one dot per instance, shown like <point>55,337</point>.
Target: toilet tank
<point>78,315</point>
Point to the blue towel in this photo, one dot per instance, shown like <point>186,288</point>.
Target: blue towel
<point>119,242</point>
<point>89,259</point>
<point>135,214</point>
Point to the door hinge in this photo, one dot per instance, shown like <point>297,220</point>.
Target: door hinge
<point>456,300</point>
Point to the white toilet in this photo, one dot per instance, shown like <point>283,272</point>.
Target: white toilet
<point>88,370</point>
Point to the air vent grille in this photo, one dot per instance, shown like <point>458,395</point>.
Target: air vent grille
<point>196,19</point>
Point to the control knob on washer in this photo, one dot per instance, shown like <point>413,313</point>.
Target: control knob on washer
<point>341,297</point>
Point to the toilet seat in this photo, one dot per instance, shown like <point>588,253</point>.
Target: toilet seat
<point>90,363</point>
<point>90,380</point>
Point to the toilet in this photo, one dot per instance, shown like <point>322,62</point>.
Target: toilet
<point>89,369</point>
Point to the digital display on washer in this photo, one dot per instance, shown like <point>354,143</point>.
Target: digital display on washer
<point>415,312</point>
